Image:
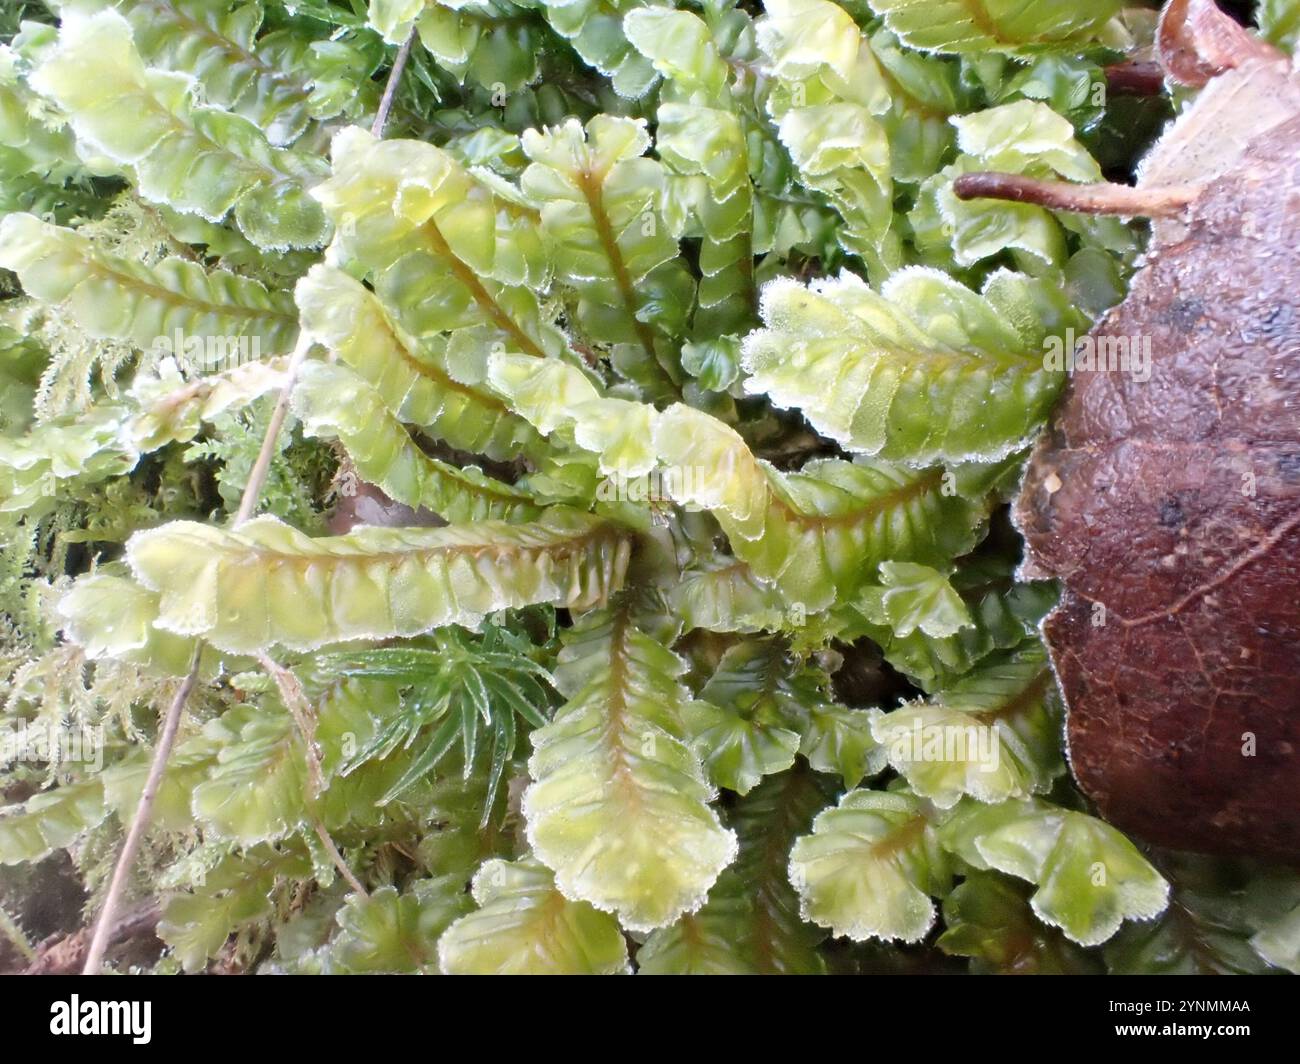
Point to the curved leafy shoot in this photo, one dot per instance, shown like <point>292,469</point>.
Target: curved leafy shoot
<point>281,81</point>
<point>334,402</point>
<point>974,26</point>
<point>268,584</point>
<point>119,298</point>
<point>924,371</point>
<point>414,380</point>
<point>815,534</point>
<point>449,250</point>
<point>702,137</point>
<point>189,156</point>
<point>601,210</point>
<point>619,803</point>
<point>50,820</point>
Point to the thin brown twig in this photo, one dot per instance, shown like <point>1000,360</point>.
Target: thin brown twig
<point>342,865</point>
<point>1099,198</point>
<point>261,467</point>
<point>143,812</point>
<point>390,89</point>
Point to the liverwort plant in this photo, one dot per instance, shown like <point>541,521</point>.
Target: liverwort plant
<point>596,558</point>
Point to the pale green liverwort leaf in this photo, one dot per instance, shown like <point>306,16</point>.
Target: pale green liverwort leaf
<point>1090,878</point>
<point>600,199</point>
<point>113,617</point>
<point>280,80</point>
<point>396,932</point>
<point>839,740</point>
<point>448,250</point>
<point>1002,619</point>
<point>738,751</point>
<point>552,394</point>
<point>231,894</point>
<point>915,597</point>
<point>50,820</point>
<point>728,598</point>
<point>37,468</point>
<point>751,923</point>
<point>191,157</point>
<point>256,789</point>
<point>525,926</point>
<point>1024,137</point>
<point>761,706</point>
<point>803,37</point>
<point>619,804</point>
<point>870,868</point>
<point>594,28</point>
<point>1224,918</point>
<point>988,919</point>
<point>174,408</point>
<point>828,101</point>
<point>993,734</point>
<point>701,136</point>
